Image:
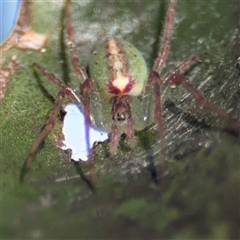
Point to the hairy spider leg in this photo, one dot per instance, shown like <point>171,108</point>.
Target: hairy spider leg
<point>87,85</point>
<point>71,94</point>
<point>130,132</point>
<point>65,90</point>
<point>79,71</point>
<point>155,80</point>
<point>51,76</point>
<point>86,90</point>
<point>115,136</point>
<point>183,66</point>
<point>48,127</point>
<point>167,37</point>
<point>177,78</point>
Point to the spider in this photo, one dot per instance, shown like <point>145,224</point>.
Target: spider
<point>118,76</point>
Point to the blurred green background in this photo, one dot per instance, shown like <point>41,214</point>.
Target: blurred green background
<point>198,198</point>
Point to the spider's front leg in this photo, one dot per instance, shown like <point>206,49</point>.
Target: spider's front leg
<point>87,85</point>
<point>116,132</point>
<point>87,88</point>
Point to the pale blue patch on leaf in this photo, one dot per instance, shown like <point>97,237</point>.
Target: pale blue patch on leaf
<point>77,135</point>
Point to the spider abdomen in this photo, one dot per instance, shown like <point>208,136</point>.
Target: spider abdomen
<point>118,68</point>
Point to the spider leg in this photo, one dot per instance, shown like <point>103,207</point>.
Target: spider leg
<point>130,132</point>
<point>71,93</point>
<point>115,136</point>
<point>87,84</point>
<point>79,71</point>
<point>155,81</point>
<point>48,127</point>
<point>154,77</point>
<point>86,89</point>
<point>167,36</point>
<point>183,66</point>
<point>177,78</point>
<point>50,76</point>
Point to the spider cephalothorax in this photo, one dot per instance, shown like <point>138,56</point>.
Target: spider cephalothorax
<point>121,110</point>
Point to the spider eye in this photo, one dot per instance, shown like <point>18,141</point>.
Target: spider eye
<point>121,116</point>
<point>121,110</point>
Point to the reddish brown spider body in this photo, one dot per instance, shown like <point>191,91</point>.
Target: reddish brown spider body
<point>118,73</point>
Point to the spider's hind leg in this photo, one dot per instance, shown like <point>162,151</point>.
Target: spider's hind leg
<point>176,77</point>
<point>155,81</point>
<point>47,129</point>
